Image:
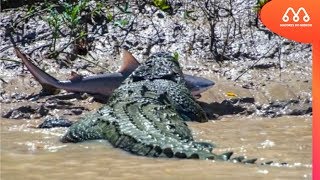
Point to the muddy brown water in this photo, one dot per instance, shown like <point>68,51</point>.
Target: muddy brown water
<point>29,153</point>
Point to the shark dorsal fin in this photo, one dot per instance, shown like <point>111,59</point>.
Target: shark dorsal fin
<point>129,62</point>
<point>75,76</point>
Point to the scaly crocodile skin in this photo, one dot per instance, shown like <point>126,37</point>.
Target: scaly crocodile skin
<point>146,115</point>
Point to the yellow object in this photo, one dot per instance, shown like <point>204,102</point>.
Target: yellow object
<point>231,94</point>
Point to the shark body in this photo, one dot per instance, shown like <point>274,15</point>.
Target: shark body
<point>103,84</point>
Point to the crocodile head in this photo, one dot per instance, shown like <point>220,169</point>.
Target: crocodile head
<point>159,66</point>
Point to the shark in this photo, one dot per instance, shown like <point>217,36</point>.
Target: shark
<point>102,84</point>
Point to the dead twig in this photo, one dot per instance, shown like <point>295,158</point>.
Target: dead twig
<point>10,60</point>
<point>87,60</point>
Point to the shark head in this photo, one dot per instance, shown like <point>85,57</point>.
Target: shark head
<point>197,85</point>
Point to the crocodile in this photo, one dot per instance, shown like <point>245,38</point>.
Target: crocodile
<point>147,115</point>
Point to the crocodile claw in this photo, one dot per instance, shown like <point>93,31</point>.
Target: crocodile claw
<point>250,161</point>
<point>267,163</point>
<point>205,145</point>
<point>225,156</point>
<point>237,159</point>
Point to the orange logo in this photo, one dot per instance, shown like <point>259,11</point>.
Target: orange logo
<point>298,20</point>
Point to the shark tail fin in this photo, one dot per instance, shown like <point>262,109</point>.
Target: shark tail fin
<point>49,84</point>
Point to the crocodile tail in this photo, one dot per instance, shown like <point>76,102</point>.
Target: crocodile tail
<point>187,151</point>
<point>49,84</point>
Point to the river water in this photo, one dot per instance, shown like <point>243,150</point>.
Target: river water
<point>29,153</point>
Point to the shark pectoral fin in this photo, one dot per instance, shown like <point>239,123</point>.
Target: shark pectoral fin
<point>129,63</point>
<point>75,77</point>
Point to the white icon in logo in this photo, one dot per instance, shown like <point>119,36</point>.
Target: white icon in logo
<point>296,17</point>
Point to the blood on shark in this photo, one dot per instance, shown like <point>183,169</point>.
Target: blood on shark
<point>103,84</point>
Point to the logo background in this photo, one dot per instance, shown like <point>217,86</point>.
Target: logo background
<point>273,12</point>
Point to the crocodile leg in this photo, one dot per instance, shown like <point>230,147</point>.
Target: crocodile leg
<point>88,128</point>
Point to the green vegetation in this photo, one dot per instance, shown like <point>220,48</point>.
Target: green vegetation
<point>260,4</point>
<point>162,4</point>
<point>176,56</point>
<point>54,20</point>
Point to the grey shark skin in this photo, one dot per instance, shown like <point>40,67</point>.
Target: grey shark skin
<point>103,84</point>
<point>197,85</point>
